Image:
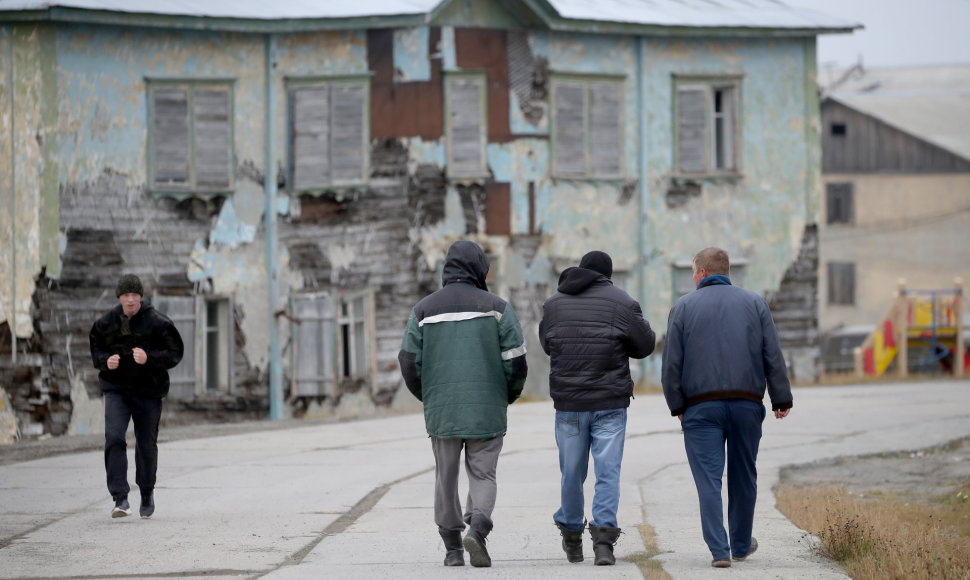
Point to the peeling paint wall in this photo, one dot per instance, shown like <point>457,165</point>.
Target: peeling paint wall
<point>386,238</point>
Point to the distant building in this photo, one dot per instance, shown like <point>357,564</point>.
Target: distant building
<point>896,172</point>
<point>287,176</point>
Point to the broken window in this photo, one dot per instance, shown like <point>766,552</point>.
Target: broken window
<point>329,132</point>
<point>841,283</point>
<point>355,321</point>
<point>190,144</point>
<point>333,341</point>
<point>206,326</point>
<point>587,127</point>
<point>218,345</point>
<point>466,124</point>
<point>707,126</point>
<point>839,203</point>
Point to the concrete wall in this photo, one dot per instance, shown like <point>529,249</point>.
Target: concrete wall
<point>906,226</point>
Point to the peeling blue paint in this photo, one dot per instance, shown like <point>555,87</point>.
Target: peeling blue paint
<point>449,58</point>
<point>411,62</point>
<point>229,230</point>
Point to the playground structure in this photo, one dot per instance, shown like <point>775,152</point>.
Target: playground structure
<point>917,318</point>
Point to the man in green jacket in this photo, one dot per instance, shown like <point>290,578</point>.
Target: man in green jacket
<point>463,356</point>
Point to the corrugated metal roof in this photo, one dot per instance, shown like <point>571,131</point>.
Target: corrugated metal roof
<point>677,13</point>
<point>931,103</point>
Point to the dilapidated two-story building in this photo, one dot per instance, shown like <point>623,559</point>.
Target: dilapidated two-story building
<point>286,178</point>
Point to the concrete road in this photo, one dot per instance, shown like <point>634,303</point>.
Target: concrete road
<point>354,500</point>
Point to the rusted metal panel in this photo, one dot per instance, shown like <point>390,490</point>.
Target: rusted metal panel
<point>498,220</point>
<point>412,109</point>
<point>484,49</point>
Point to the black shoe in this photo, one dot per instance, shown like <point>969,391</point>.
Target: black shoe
<point>751,550</point>
<point>121,508</point>
<point>147,506</point>
<point>572,542</point>
<point>603,541</point>
<point>454,554</point>
<point>475,546</point>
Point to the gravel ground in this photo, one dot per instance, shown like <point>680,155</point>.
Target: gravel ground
<point>924,473</point>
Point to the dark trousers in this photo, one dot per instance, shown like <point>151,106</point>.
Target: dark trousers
<point>709,428</point>
<point>146,414</point>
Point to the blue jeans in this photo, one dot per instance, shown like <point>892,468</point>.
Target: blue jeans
<point>577,434</point>
<point>707,428</point>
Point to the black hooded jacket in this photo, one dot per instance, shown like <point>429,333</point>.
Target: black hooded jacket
<point>149,330</point>
<point>591,329</point>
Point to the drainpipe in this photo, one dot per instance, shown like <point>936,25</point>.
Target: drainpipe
<point>12,315</point>
<point>272,277</point>
<point>643,190</point>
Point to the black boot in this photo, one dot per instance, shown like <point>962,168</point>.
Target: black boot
<point>603,541</point>
<point>572,542</point>
<point>455,555</point>
<point>474,541</point>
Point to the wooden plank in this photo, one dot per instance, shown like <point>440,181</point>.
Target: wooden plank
<point>692,129</point>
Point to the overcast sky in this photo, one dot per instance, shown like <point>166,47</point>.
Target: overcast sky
<point>897,32</point>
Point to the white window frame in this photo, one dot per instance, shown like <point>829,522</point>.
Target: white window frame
<point>190,379</point>
<point>356,356</point>
<point>717,135</point>
<point>310,170</point>
<point>599,131</point>
<point>198,136</point>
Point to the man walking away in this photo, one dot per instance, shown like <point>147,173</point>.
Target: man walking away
<point>591,329</point>
<point>463,356</point>
<point>133,345</point>
<point>720,352</point>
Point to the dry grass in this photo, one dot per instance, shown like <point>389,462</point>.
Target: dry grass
<point>885,536</point>
<point>650,568</point>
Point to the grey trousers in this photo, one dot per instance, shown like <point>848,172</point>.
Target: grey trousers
<point>481,460</point>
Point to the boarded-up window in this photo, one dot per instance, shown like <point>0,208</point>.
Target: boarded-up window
<point>183,377</point>
<point>466,125</point>
<point>328,134</point>
<point>707,127</point>
<point>839,203</point>
<point>218,345</point>
<point>587,128</point>
<point>313,345</point>
<point>841,283</point>
<point>191,137</point>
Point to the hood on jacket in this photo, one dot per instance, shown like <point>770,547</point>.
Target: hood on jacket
<point>465,262</point>
<point>574,280</point>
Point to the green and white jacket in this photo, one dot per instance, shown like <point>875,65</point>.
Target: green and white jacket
<point>463,353</point>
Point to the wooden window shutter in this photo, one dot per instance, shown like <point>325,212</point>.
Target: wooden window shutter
<point>569,139</point>
<point>310,137</point>
<point>170,137</point>
<point>692,129</point>
<point>605,129</point>
<point>212,138</point>
<point>183,377</point>
<point>313,345</point>
<point>348,139</point>
<point>466,126</point>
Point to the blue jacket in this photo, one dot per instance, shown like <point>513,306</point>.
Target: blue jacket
<point>722,344</point>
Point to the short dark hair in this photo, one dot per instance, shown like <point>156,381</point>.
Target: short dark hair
<point>714,260</point>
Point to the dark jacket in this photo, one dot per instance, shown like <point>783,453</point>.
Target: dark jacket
<point>463,353</point>
<point>722,344</point>
<point>149,330</point>
<point>591,329</point>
